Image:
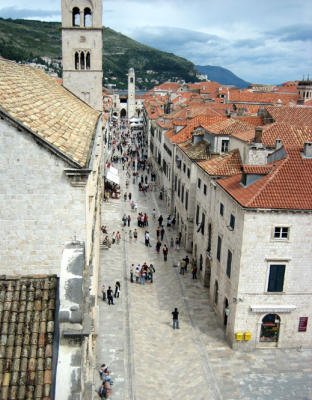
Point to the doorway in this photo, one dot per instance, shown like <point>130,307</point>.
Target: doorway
<point>270,328</point>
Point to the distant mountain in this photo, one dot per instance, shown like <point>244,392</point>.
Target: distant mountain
<point>222,75</point>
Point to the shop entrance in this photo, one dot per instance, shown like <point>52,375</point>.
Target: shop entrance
<point>123,113</point>
<point>270,328</point>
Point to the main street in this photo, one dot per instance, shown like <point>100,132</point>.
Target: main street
<point>150,360</point>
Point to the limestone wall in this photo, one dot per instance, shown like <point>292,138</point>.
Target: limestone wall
<point>39,209</point>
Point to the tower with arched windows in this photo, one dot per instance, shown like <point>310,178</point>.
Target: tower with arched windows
<point>131,94</point>
<point>82,49</point>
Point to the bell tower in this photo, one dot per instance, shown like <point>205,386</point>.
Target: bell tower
<point>82,50</point>
<point>131,93</point>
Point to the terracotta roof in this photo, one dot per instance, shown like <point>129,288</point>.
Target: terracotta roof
<point>173,86</point>
<point>27,334</point>
<point>257,169</point>
<point>198,151</point>
<point>228,126</point>
<point>251,120</point>
<point>287,186</point>
<point>223,165</point>
<point>37,102</point>
<point>246,136</point>
<point>186,133</point>
<point>290,135</point>
<point>244,95</point>
<point>297,115</point>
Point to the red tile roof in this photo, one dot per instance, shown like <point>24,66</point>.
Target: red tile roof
<point>297,115</point>
<point>228,126</point>
<point>223,165</point>
<point>290,135</point>
<point>286,186</point>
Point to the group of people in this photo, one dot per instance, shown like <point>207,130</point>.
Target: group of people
<point>109,294</point>
<point>142,273</point>
<point>105,390</point>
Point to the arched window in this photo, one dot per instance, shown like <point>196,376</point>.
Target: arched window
<point>82,60</point>
<point>76,16</point>
<point>131,80</point>
<point>76,60</point>
<point>88,61</point>
<point>216,292</point>
<point>87,17</point>
<point>270,328</point>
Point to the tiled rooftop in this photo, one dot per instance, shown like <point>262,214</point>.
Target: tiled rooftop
<point>198,151</point>
<point>228,127</point>
<point>298,115</point>
<point>223,165</point>
<point>27,314</point>
<point>37,102</point>
<point>286,186</point>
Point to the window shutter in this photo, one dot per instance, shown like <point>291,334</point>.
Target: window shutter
<point>276,278</point>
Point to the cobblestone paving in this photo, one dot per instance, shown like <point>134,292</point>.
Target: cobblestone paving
<point>149,360</point>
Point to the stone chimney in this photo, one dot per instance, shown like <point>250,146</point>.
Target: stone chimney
<point>278,143</point>
<point>307,149</point>
<point>258,134</point>
<point>188,114</point>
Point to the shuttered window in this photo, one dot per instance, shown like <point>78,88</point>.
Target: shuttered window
<point>276,278</point>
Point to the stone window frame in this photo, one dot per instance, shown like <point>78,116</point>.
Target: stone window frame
<point>279,237</point>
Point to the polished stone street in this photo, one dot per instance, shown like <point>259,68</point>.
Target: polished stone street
<point>148,359</point>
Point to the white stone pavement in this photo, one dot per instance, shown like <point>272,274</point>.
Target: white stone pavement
<point>150,360</point>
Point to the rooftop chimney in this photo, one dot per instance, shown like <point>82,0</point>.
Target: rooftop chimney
<point>258,134</point>
<point>188,114</point>
<point>307,149</point>
<point>278,143</point>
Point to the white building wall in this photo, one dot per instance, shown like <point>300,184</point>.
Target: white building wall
<point>40,210</point>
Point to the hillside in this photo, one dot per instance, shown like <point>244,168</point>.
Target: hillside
<point>25,40</point>
<point>29,40</point>
<point>222,75</point>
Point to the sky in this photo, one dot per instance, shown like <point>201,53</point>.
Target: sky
<point>261,41</point>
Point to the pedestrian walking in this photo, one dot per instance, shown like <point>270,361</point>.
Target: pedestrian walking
<point>187,261</point>
<point>110,296</point>
<point>158,245</point>
<point>160,220</point>
<point>182,267</point>
<point>165,252</point>
<point>158,232</point>
<point>118,237</point>
<point>103,292</point>
<point>117,289</point>
<point>124,220</point>
<point>129,196</point>
<point>162,232</point>
<point>175,319</point>
<point>177,242</point>
<point>135,234</point>
<point>194,271</point>
<point>131,273</point>
<point>171,242</point>
<point>151,272</point>
<point>147,239</point>
<point>129,220</point>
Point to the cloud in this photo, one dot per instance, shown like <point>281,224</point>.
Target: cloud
<point>293,33</point>
<point>27,13</point>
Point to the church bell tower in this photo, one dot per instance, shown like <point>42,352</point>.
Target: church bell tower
<point>82,50</point>
<point>131,94</point>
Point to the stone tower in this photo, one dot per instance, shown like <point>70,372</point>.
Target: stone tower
<point>82,50</point>
<point>304,89</point>
<point>131,94</point>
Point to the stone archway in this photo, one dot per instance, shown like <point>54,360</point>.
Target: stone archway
<point>123,113</point>
<point>270,327</point>
<point>207,274</point>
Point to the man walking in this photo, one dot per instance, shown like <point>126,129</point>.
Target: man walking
<point>162,232</point>
<point>165,252</point>
<point>175,319</point>
<point>110,296</point>
<point>103,292</point>
<point>160,220</point>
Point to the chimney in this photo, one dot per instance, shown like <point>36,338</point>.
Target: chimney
<point>258,134</point>
<point>307,149</point>
<point>278,143</point>
<point>188,114</point>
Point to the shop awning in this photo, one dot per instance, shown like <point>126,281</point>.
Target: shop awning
<point>272,308</point>
<point>111,174</point>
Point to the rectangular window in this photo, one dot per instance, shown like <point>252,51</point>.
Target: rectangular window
<point>198,183</point>
<point>175,183</point>
<point>221,209</point>
<point>203,224</point>
<point>276,278</point>
<point>197,215</point>
<point>232,221</point>
<point>184,167</point>
<point>188,172</point>
<point>179,187</point>
<point>209,238</point>
<point>219,249</point>
<point>224,146</point>
<point>182,194</point>
<point>186,200</point>
<point>229,264</point>
<point>205,189</point>
<point>281,232</point>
